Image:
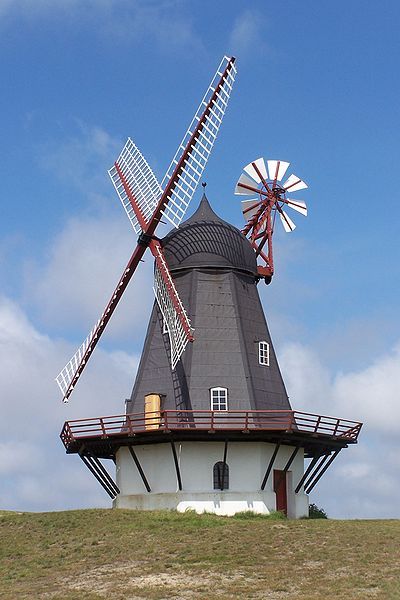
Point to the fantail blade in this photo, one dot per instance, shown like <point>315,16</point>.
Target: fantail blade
<point>293,183</point>
<point>245,186</point>
<point>277,169</point>
<point>287,222</point>
<point>297,205</point>
<point>257,168</point>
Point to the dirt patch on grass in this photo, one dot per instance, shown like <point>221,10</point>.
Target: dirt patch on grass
<point>122,581</point>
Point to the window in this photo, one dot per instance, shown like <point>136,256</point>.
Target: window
<point>263,353</point>
<point>219,398</point>
<point>221,476</point>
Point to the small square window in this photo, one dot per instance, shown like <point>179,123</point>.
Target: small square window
<point>263,353</point>
<point>219,398</point>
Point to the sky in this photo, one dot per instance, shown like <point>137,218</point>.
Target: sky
<point>318,86</point>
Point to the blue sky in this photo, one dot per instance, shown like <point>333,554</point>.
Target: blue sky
<point>318,86</point>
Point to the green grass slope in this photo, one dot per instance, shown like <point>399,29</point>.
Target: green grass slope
<point>121,555</point>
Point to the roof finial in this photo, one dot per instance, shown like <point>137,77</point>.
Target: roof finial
<point>204,184</point>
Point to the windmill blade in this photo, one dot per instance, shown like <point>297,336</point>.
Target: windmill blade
<point>171,307</point>
<point>136,185</point>
<point>253,168</point>
<point>293,183</point>
<point>249,208</point>
<point>245,186</point>
<point>277,169</point>
<point>297,205</point>
<point>179,185</point>
<point>70,374</point>
<point>188,164</point>
<point>287,222</point>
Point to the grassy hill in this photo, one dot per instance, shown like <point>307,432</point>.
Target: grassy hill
<point>121,555</point>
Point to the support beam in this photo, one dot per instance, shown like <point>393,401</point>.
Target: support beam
<point>269,468</point>
<point>104,472</point>
<point>286,467</point>
<point>178,473</point>
<point>309,469</point>
<point>328,464</point>
<point>224,465</point>
<point>323,460</point>
<point>97,464</point>
<point>139,468</point>
<point>87,462</point>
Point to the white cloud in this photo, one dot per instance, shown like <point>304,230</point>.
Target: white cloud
<point>363,481</point>
<point>82,159</point>
<point>70,285</point>
<point>371,393</point>
<point>248,34</point>
<point>36,473</point>
<point>162,21</point>
<point>83,267</point>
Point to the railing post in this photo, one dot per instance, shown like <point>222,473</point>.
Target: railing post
<point>165,415</point>
<point>246,425</point>
<point>317,424</point>
<point>292,421</point>
<point>103,429</point>
<point>336,426</point>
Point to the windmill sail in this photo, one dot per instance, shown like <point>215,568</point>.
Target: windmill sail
<point>171,307</point>
<point>136,185</point>
<point>192,155</point>
<point>145,201</point>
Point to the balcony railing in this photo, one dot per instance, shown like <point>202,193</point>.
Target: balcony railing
<point>206,420</point>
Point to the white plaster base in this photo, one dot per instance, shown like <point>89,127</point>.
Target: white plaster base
<point>221,503</point>
<point>247,465</point>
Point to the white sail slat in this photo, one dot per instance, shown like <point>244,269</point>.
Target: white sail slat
<point>208,118</point>
<point>141,182</point>
<point>68,373</point>
<point>174,315</point>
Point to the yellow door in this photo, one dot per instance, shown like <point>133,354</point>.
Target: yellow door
<point>152,407</point>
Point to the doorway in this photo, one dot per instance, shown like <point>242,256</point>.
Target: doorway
<point>280,489</point>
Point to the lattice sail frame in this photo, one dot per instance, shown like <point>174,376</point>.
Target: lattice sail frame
<point>141,181</point>
<point>201,146</point>
<point>175,318</point>
<point>67,374</point>
<point>177,189</point>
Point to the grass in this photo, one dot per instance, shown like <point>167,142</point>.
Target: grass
<point>127,555</point>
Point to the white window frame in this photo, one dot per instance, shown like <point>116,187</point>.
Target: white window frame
<point>219,398</point>
<point>263,353</point>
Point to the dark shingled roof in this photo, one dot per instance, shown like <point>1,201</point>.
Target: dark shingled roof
<point>205,240</point>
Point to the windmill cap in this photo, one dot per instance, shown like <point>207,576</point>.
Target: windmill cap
<point>206,241</point>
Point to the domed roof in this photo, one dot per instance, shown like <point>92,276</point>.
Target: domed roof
<point>205,240</point>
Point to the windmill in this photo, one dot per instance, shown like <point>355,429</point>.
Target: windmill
<point>265,181</point>
<point>212,428</point>
<point>146,202</point>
